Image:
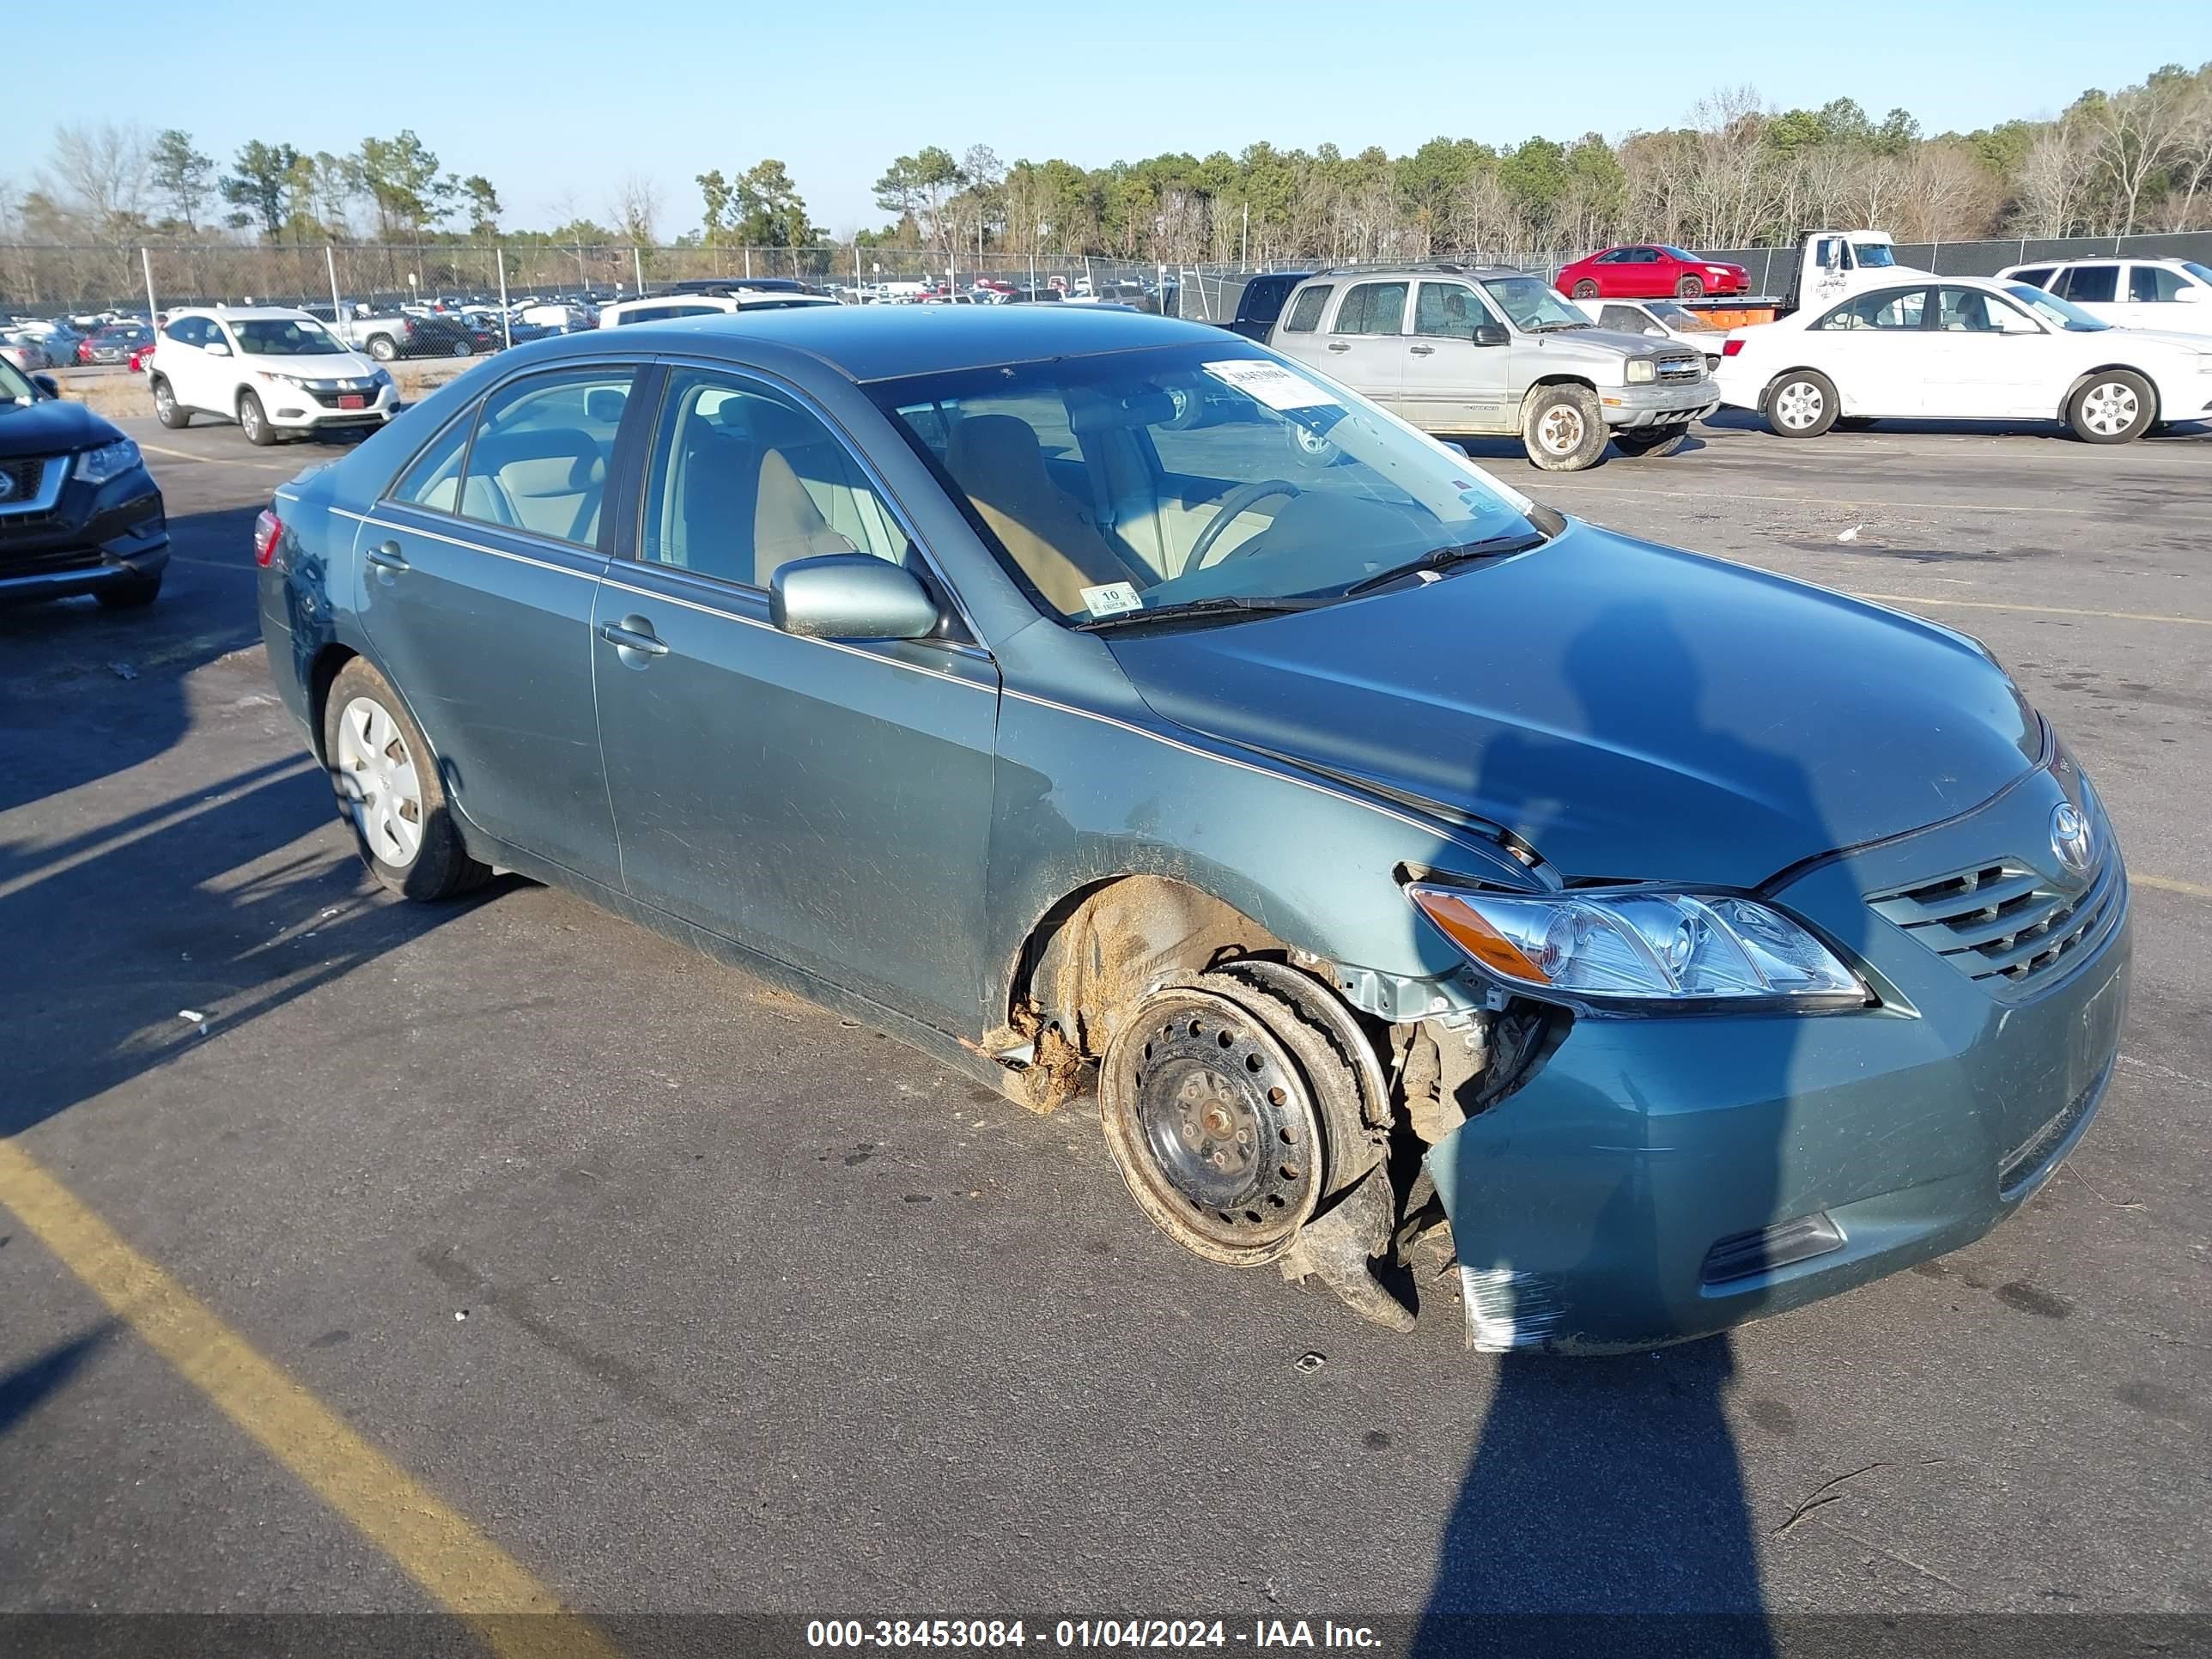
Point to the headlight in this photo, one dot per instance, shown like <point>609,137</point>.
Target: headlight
<point>109,461</point>
<point>1642,370</point>
<point>1642,947</point>
<point>283,380</point>
<point>380,377</point>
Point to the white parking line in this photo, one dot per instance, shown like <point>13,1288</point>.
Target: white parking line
<point>2032,609</point>
<point>1855,503</point>
<point>212,460</point>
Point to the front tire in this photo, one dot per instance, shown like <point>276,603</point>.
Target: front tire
<point>389,790</point>
<point>1800,404</point>
<point>253,421</point>
<point>1644,441</point>
<point>1563,428</point>
<point>133,595</point>
<point>1690,287</point>
<point>166,409</point>
<point>2113,406</point>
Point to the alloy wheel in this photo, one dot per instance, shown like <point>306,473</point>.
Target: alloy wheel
<point>376,778</point>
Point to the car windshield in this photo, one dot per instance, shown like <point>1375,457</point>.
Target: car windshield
<point>1871,255</point>
<point>283,336</point>
<point>1681,317</point>
<point>1130,481</point>
<point>2052,309</point>
<point>1533,304</point>
<point>2201,273</point>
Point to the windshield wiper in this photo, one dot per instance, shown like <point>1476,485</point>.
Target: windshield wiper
<point>1226,605</point>
<point>1437,558</point>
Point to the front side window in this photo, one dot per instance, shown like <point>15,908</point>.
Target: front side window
<point>1890,309</point>
<point>542,453</point>
<point>1305,312</point>
<point>284,337</point>
<point>743,480</point>
<point>2151,285</point>
<point>1448,311</point>
<point>1372,308</point>
<point>1975,311</point>
<point>1132,480</point>
<point>2092,284</point>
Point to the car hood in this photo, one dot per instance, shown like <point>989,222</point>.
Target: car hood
<point>1608,343</point>
<point>51,426</point>
<point>334,365</point>
<point>1630,711</point>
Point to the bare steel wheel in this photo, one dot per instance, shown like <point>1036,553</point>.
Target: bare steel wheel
<point>1214,1126</point>
<point>389,790</point>
<point>1563,428</point>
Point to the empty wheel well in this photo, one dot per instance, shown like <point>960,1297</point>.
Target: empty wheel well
<point>328,661</point>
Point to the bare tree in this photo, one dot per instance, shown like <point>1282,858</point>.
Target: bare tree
<point>2191,167</point>
<point>2132,136</point>
<point>2051,192</point>
<point>637,209</point>
<point>98,170</point>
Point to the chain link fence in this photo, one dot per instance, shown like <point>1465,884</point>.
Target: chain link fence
<point>52,281</point>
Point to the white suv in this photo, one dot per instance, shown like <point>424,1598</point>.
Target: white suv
<point>2173,294</point>
<point>273,371</point>
<point>666,308</point>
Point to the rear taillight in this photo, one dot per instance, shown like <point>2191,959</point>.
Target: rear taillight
<point>1730,347</point>
<point>268,531</point>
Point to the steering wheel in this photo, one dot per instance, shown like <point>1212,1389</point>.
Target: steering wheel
<point>1225,514</point>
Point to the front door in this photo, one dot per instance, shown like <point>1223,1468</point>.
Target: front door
<point>478,575</point>
<point>825,803</point>
<point>1365,347</point>
<point>1988,360</point>
<point>1451,383</point>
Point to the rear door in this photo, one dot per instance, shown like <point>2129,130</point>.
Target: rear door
<point>2154,300</point>
<point>477,574</point>
<point>2095,287</point>
<point>1875,348</point>
<point>826,804</point>
<point>183,360</point>
<point>1366,343</point>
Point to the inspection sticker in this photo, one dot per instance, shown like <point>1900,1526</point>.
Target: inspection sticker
<point>1111,600</point>
<point>1272,384</point>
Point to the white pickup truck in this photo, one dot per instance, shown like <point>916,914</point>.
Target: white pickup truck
<point>383,335</point>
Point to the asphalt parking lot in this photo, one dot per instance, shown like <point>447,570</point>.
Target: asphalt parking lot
<point>670,1292</point>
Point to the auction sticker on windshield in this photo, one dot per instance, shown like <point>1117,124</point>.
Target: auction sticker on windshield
<point>1111,600</point>
<point>1272,385</point>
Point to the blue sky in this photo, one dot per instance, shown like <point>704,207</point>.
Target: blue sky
<point>557,101</point>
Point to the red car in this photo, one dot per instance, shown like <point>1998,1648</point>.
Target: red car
<point>1649,271</point>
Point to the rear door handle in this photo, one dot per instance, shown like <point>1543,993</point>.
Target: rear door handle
<point>387,555</point>
<point>633,633</point>
<point>1420,351</point>
<point>1339,345</point>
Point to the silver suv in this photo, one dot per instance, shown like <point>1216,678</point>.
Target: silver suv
<point>1462,349</point>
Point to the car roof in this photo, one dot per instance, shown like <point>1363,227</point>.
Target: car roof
<point>1419,268</point>
<point>886,342</point>
<point>238,313</point>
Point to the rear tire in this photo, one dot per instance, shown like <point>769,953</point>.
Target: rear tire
<point>166,409</point>
<point>463,349</point>
<point>134,594</point>
<point>1585,289</point>
<point>1640,441</point>
<point>1690,287</point>
<point>1562,428</point>
<point>390,791</point>
<point>253,420</point>
<point>1801,404</point>
<point>2112,406</point>
<point>381,348</point>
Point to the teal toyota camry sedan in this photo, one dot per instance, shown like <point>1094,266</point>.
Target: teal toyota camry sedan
<point>1129,716</point>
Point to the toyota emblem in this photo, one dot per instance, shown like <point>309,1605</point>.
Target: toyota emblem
<point>2070,837</point>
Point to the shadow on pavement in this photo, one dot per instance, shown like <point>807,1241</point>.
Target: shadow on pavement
<point>25,1389</point>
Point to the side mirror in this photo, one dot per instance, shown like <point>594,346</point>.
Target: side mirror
<point>217,348</point>
<point>1491,334</point>
<point>849,596</point>
<point>47,384</point>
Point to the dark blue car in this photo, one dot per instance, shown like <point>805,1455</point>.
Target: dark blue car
<point>1122,714</point>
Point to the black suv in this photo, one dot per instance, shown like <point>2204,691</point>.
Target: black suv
<point>79,512</point>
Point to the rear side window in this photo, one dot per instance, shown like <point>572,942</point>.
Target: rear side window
<point>2035,277</point>
<point>542,449</point>
<point>2149,285</point>
<point>663,313</point>
<point>1372,308</point>
<point>2094,285</point>
<point>1305,313</point>
<point>1892,308</point>
<point>433,479</point>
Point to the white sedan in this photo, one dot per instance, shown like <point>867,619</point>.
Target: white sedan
<point>1967,349</point>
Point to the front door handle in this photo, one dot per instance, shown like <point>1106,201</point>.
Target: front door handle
<point>1339,345</point>
<point>1420,351</point>
<point>387,555</point>
<point>634,633</point>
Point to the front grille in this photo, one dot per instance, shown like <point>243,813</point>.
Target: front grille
<point>24,475</point>
<point>329,399</point>
<point>2004,924</point>
<point>1685,367</point>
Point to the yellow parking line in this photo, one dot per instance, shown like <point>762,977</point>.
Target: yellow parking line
<point>461,1569</point>
<point>2036,609</point>
<point>2168,885</point>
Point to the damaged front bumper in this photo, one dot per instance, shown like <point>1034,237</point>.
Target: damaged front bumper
<point>1658,1179</point>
